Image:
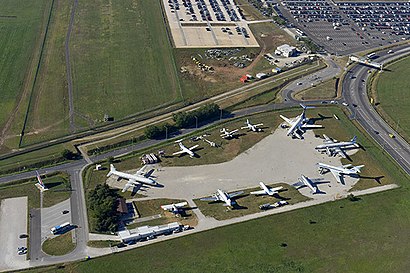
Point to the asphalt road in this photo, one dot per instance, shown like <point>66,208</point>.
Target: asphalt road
<point>355,94</point>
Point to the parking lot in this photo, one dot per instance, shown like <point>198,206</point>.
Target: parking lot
<point>13,223</point>
<point>54,216</point>
<point>207,23</point>
<point>347,27</point>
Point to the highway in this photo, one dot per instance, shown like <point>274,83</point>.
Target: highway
<point>355,94</point>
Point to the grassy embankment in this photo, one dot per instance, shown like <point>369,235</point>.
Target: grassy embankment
<point>391,91</point>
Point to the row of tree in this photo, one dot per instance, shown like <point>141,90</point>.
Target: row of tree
<point>103,204</point>
<point>183,119</point>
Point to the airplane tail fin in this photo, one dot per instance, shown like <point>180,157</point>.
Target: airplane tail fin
<point>112,170</point>
<point>354,139</point>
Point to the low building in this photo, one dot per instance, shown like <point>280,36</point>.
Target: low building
<point>148,232</point>
<point>122,206</point>
<point>285,50</point>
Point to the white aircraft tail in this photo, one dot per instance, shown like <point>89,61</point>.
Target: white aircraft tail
<point>112,170</point>
<point>354,139</point>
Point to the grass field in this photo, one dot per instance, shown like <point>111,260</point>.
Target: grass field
<point>59,245</point>
<point>48,114</point>
<point>21,25</point>
<point>325,90</point>
<point>369,235</point>
<point>122,59</point>
<point>249,203</point>
<point>59,190</point>
<point>393,87</point>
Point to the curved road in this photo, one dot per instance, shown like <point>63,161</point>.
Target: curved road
<point>355,94</point>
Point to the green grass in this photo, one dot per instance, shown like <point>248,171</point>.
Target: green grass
<point>102,244</point>
<point>19,42</point>
<point>249,203</point>
<point>325,90</point>
<point>59,190</point>
<point>393,86</point>
<point>60,245</point>
<point>122,60</point>
<point>48,114</point>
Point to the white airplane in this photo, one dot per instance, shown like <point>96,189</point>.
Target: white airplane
<point>307,182</point>
<point>332,147</point>
<point>185,149</point>
<point>340,172</point>
<point>266,190</point>
<point>175,208</point>
<point>298,125</point>
<point>221,195</point>
<point>228,134</point>
<point>137,179</point>
<point>252,127</point>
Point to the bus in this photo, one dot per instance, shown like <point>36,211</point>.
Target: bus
<point>60,228</point>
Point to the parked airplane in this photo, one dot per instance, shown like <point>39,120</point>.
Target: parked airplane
<point>185,149</point>
<point>298,125</point>
<point>266,190</point>
<point>339,172</point>
<point>252,127</point>
<point>221,195</point>
<point>175,208</point>
<point>332,147</point>
<point>228,134</point>
<point>307,182</point>
<point>137,179</point>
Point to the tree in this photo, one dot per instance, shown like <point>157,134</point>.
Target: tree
<point>67,154</point>
<point>103,204</point>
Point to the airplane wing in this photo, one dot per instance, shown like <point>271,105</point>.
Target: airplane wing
<point>338,176</point>
<point>259,124</point>
<point>131,183</point>
<point>166,207</point>
<point>212,198</point>
<point>311,126</point>
<point>298,184</point>
<point>141,171</point>
<point>234,131</point>
<point>193,147</point>
<point>258,192</point>
<point>339,151</point>
<point>288,121</point>
<point>178,153</point>
<point>235,194</point>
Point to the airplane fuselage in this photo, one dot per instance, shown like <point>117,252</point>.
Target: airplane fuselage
<point>309,184</point>
<point>223,196</point>
<point>340,170</point>
<point>138,178</point>
<point>336,145</point>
